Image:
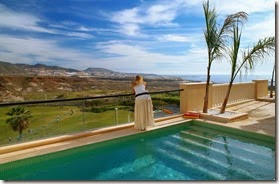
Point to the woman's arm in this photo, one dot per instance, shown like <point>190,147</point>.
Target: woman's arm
<point>133,85</point>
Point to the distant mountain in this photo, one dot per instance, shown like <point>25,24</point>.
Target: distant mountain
<point>10,69</point>
<point>41,66</point>
<point>102,70</point>
<point>7,68</point>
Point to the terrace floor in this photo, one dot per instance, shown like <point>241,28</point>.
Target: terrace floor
<point>261,120</point>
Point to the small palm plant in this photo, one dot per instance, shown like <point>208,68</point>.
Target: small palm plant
<point>19,119</point>
<point>249,58</point>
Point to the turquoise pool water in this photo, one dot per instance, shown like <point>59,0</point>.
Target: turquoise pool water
<point>188,151</point>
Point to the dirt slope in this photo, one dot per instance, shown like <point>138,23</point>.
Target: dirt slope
<point>18,88</point>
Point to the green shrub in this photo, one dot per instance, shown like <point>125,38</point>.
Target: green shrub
<point>100,109</point>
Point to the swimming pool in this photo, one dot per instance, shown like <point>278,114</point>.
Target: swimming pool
<point>187,151</point>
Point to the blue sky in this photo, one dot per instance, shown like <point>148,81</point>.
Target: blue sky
<point>143,36</point>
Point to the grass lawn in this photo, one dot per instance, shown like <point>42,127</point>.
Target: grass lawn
<point>49,121</point>
<point>53,119</point>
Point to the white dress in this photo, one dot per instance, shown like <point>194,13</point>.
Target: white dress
<point>143,109</point>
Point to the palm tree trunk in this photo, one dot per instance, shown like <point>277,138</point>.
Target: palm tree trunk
<point>271,87</point>
<point>205,104</point>
<point>223,108</point>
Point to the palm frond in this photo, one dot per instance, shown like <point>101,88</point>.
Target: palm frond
<point>258,52</point>
<point>231,21</point>
<point>211,25</point>
<point>235,51</point>
<point>225,31</point>
<point>19,117</point>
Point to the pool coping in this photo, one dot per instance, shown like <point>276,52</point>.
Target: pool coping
<point>56,139</point>
<point>59,143</point>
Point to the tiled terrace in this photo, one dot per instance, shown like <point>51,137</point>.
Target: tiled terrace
<point>261,120</point>
<point>261,117</point>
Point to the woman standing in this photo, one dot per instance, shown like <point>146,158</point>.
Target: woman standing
<point>143,105</point>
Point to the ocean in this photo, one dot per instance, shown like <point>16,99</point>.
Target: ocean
<point>225,78</point>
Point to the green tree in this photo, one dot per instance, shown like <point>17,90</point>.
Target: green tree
<point>249,58</point>
<point>216,37</point>
<point>19,119</point>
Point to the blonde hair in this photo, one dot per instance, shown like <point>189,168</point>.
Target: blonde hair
<point>138,81</point>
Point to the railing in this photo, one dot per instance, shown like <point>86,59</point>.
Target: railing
<point>66,116</point>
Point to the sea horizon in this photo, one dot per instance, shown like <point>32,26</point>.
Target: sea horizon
<point>224,78</point>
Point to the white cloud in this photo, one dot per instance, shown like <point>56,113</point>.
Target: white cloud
<point>135,58</point>
<point>30,50</point>
<point>86,29</point>
<point>164,13</point>
<point>122,49</point>
<point>160,14</point>
<point>27,22</point>
<point>155,15</point>
<point>261,17</point>
<point>127,16</point>
<point>14,20</point>
<point>175,38</point>
<point>130,30</point>
<point>255,30</point>
<point>123,57</point>
<point>79,35</point>
<point>248,6</point>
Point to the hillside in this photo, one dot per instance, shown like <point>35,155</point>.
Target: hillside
<point>99,70</point>
<point>20,82</point>
<point>20,88</point>
<point>9,69</point>
<point>25,69</point>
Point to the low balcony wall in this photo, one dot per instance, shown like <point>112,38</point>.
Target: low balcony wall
<point>192,96</point>
<point>261,88</point>
<point>239,92</point>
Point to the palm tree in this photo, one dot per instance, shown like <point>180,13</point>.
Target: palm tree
<point>272,78</point>
<point>19,119</point>
<point>250,56</point>
<point>215,37</point>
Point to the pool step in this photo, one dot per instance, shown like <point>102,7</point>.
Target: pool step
<point>130,167</point>
<point>231,145</point>
<point>256,153</point>
<point>212,152</point>
<point>213,164</point>
<point>215,158</point>
<point>141,167</point>
<point>190,166</point>
<point>210,136</point>
<point>214,133</point>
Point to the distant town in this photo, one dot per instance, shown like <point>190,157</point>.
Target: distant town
<point>7,68</point>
